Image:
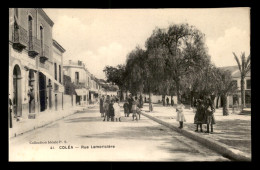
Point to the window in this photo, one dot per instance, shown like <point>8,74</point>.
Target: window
<point>235,83</point>
<point>248,84</point>
<point>59,74</point>
<point>55,71</point>
<point>77,77</point>
<point>41,37</point>
<point>30,31</point>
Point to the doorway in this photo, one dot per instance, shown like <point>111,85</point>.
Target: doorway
<point>56,102</point>
<point>50,94</point>
<point>17,95</point>
<point>42,91</point>
<point>32,85</point>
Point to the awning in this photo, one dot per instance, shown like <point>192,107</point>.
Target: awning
<point>81,92</point>
<point>61,87</point>
<point>49,76</point>
<point>93,90</point>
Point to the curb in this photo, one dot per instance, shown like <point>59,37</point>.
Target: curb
<point>221,148</point>
<point>43,125</point>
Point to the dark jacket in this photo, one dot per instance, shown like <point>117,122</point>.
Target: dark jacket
<point>200,116</point>
<point>111,110</point>
<point>130,102</point>
<point>101,106</point>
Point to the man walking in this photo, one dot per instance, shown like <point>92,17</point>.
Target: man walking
<point>167,100</point>
<point>101,106</point>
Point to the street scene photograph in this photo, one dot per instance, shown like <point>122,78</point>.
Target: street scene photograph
<point>146,85</point>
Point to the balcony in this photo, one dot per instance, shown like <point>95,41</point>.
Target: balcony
<point>34,46</point>
<point>20,38</point>
<point>44,54</point>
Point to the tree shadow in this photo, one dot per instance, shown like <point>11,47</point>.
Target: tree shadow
<point>153,133</point>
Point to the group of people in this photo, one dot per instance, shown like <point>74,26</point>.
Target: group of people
<point>168,100</point>
<point>204,114</point>
<point>110,108</point>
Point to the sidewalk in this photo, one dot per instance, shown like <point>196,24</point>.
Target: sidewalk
<point>232,132</point>
<point>42,119</point>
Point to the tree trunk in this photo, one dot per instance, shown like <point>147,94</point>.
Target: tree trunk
<point>178,91</point>
<point>150,101</point>
<point>171,100</point>
<point>225,106</point>
<point>191,99</point>
<point>217,102</point>
<point>243,92</point>
<point>163,100</point>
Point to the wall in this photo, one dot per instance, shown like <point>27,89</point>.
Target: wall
<point>82,74</point>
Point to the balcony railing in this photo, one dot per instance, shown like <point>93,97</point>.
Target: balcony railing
<point>44,54</point>
<point>20,38</point>
<point>34,46</point>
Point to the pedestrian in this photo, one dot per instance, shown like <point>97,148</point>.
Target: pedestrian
<point>101,109</point>
<point>134,107</point>
<point>167,101</point>
<point>130,101</point>
<point>111,110</point>
<point>31,99</point>
<point>138,112</point>
<point>180,115</point>
<point>141,101</point>
<point>209,111</point>
<point>126,109</point>
<point>172,102</point>
<point>106,109</point>
<point>10,111</point>
<point>116,107</point>
<point>199,118</point>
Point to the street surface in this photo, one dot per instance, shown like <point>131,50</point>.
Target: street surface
<point>84,136</point>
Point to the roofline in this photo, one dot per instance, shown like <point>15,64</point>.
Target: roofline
<point>54,42</point>
<point>46,17</point>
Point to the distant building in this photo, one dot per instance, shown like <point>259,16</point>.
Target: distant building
<point>78,74</point>
<point>236,76</point>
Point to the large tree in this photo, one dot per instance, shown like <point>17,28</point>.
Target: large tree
<point>181,47</point>
<point>135,70</point>
<point>244,67</point>
<point>116,75</point>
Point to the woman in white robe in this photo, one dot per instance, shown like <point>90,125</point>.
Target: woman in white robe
<point>117,110</point>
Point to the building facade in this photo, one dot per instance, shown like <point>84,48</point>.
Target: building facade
<point>88,89</point>
<point>235,98</point>
<point>31,62</point>
<point>77,72</point>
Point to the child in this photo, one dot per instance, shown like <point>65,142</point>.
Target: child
<point>117,110</point>
<point>138,111</point>
<point>111,110</point>
<point>199,118</point>
<point>126,109</point>
<point>134,106</point>
<point>209,111</point>
<point>180,115</point>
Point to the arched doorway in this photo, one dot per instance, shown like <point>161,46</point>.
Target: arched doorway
<point>31,92</point>
<point>17,95</point>
<point>42,91</point>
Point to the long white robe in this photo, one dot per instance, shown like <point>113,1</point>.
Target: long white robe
<point>117,110</point>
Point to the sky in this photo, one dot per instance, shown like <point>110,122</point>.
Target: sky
<point>101,37</point>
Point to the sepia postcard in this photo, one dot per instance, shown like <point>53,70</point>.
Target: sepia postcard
<point>167,85</point>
